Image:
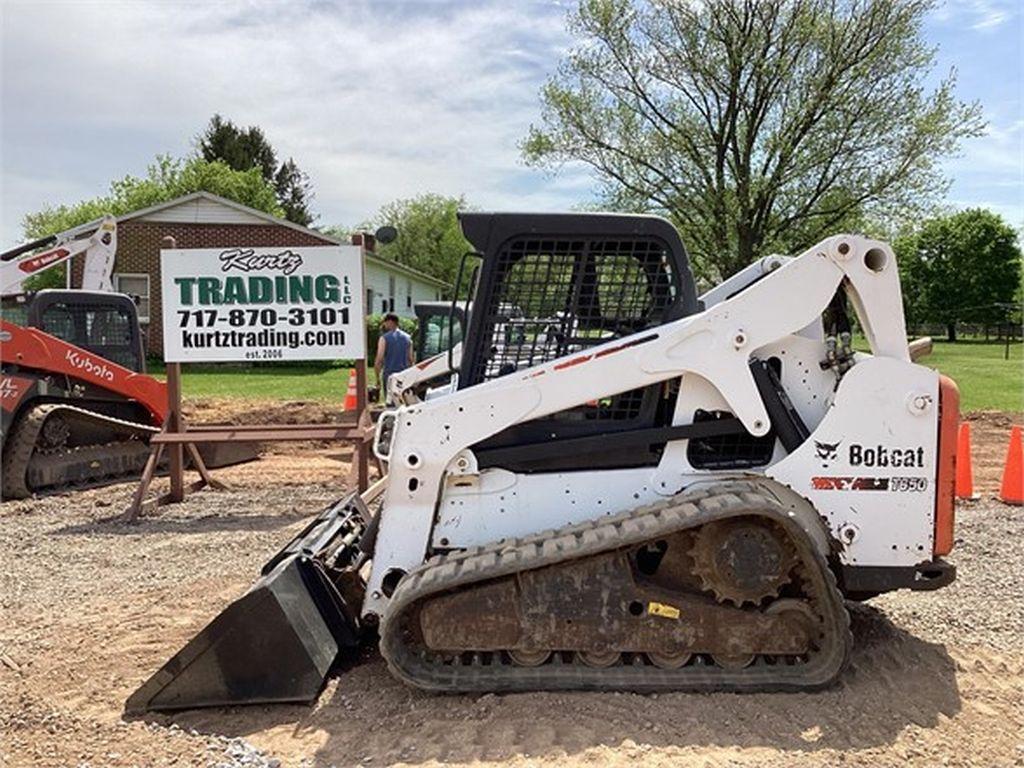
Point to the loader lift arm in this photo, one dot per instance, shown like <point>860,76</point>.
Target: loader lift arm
<point>33,349</point>
<point>99,249</point>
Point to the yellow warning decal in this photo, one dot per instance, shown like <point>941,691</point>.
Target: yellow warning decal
<point>663,610</point>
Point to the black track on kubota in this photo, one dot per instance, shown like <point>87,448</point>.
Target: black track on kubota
<point>30,467</point>
<point>411,659</point>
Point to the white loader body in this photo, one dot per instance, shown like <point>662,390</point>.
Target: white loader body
<point>876,489</point>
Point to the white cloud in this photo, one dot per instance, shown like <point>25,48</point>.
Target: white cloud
<point>990,171</point>
<point>979,15</point>
<point>373,101</point>
<point>989,16</point>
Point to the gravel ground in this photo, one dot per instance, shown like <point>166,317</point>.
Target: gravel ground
<point>89,607</point>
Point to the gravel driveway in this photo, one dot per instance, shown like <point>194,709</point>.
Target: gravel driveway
<point>90,607</point>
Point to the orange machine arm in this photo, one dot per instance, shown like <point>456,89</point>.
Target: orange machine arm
<point>31,348</point>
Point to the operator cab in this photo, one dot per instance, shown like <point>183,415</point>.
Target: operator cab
<point>553,284</point>
<point>103,323</point>
<point>440,326</point>
<point>550,285</point>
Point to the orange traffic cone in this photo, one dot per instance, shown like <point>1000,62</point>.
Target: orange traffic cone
<point>351,397</point>
<point>964,469</point>
<point>1012,489</point>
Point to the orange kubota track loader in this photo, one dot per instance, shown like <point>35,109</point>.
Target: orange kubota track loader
<point>70,414</point>
<point>76,406</point>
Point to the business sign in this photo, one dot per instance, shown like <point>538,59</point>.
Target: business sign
<point>273,303</point>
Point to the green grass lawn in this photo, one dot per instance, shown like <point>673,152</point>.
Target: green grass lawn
<point>327,381</point>
<point>987,382</point>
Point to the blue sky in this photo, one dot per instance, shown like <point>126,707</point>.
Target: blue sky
<point>375,100</point>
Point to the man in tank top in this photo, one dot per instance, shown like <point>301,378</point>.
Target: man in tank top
<point>394,351</point>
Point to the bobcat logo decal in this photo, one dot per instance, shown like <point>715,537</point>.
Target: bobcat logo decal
<point>827,451</point>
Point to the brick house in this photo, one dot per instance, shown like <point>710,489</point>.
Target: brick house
<point>205,220</point>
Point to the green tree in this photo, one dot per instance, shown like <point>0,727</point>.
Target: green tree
<point>294,193</point>
<point>166,179</point>
<point>429,237</point>
<point>959,268</point>
<point>240,148</point>
<point>755,126</point>
<point>245,148</point>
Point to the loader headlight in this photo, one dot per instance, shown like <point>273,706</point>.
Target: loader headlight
<point>385,432</point>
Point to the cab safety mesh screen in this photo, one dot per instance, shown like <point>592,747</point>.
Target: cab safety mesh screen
<point>553,297</point>
<point>106,330</point>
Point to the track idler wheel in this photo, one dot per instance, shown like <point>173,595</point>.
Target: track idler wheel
<point>55,433</point>
<point>800,614</point>
<point>529,658</point>
<point>733,661</point>
<point>669,660</point>
<point>599,659</point>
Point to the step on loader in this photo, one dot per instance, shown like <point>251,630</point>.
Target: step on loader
<point>619,485</point>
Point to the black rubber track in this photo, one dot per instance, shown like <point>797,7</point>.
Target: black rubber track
<point>493,671</point>
<point>22,460</point>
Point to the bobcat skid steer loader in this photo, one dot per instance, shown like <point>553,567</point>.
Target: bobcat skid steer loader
<point>629,487</point>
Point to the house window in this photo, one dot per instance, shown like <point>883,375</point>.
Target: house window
<point>136,286</point>
<point>391,292</point>
<point>408,294</point>
<point>369,301</point>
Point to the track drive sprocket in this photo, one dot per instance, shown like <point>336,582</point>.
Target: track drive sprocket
<point>742,560</point>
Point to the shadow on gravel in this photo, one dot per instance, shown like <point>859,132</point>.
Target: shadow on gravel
<point>367,717</point>
<point>114,526</point>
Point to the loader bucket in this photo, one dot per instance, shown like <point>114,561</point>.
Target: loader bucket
<point>278,641</point>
